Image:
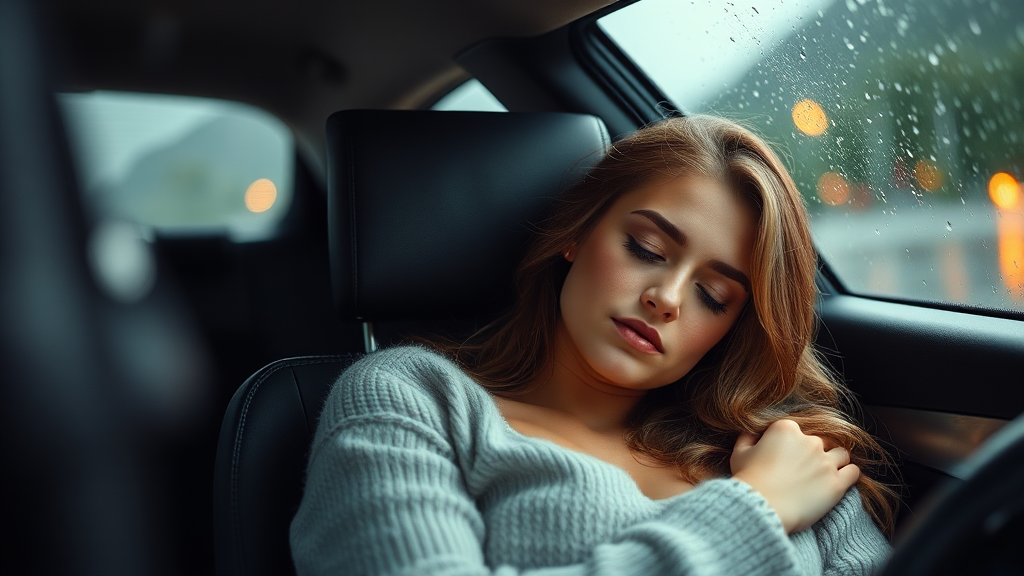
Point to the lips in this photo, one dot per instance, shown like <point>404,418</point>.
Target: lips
<point>639,334</point>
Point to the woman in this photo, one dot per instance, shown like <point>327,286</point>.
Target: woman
<point>651,405</point>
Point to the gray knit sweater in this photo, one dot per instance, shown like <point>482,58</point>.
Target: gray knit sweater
<point>414,471</point>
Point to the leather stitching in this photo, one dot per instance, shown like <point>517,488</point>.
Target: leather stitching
<point>601,134</point>
<point>237,448</point>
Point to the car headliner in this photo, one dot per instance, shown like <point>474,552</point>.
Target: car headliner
<point>301,60</point>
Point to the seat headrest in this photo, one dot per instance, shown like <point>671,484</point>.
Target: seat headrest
<point>429,211</point>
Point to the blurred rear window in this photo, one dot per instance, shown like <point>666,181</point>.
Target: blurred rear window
<point>470,95</point>
<point>902,123</point>
<point>180,164</point>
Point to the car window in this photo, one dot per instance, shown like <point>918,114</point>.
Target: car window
<point>901,121</point>
<point>470,95</point>
<point>180,164</point>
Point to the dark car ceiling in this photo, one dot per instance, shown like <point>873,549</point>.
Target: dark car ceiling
<point>301,59</point>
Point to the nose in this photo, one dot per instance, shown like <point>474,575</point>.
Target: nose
<point>664,298</point>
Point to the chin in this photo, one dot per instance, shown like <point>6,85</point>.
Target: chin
<point>625,370</point>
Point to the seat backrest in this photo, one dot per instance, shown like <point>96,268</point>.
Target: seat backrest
<point>267,429</point>
<point>428,212</point>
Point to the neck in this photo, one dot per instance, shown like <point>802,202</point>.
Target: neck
<point>567,385</point>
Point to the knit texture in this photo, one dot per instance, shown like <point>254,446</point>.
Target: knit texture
<point>414,471</point>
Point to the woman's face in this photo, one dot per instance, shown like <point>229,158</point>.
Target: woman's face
<point>659,280</point>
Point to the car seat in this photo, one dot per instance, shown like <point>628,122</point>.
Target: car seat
<point>428,214</point>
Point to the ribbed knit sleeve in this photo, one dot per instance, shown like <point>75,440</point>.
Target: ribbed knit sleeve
<point>719,527</point>
<point>385,495</point>
<point>383,492</point>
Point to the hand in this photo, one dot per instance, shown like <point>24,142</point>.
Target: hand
<point>799,478</point>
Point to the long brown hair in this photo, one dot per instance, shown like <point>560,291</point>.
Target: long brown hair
<point>766,367</point>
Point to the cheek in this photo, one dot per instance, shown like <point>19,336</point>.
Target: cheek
<point>700,335</point>
<point>712,336</point>
<point>599,276</point>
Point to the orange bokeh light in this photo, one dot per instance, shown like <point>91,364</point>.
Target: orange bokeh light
<point>1010,228</point>
<point>833,189</point>
<point>810,117</point>
<point>1004,190</point>
<point>260,195</point>
<point>928,175</point>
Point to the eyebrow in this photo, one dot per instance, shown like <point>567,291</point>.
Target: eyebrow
<point>667,227</point>
<point>678,237</point>
<point>731,273</point>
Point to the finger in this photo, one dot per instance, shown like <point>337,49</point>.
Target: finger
<point>784,425</point>
<point>817,442</point>
<point>848,475</point>
<point>829,443</point>
<point>839,456</point>
<point>745,440</point>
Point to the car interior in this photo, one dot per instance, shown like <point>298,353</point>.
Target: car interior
<point>166,430</point>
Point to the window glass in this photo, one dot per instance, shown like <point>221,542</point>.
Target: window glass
<point>180,164</point>
<point>470,95</point>
<point>901,121</point>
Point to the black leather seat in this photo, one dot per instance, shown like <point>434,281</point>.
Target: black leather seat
<point>428,213</point>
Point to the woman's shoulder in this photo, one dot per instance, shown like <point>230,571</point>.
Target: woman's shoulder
<point>410,380</point>
<point>408,359</point>
<point>414,365</point>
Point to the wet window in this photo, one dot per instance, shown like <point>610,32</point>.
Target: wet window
<point>470,95</point>
<point>179,164</point>
<point>901,121</point>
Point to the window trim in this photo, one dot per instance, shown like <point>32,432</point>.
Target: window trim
<point>616,72</point>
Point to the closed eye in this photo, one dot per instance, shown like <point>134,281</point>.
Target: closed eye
<point>716,307</point>
<point>640,252</point>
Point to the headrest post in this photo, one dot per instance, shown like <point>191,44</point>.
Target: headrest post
<point>369,342</point>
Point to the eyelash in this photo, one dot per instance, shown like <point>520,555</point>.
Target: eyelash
<point>645,255</point>
<point>640,252</point>
<point>716,307</point>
